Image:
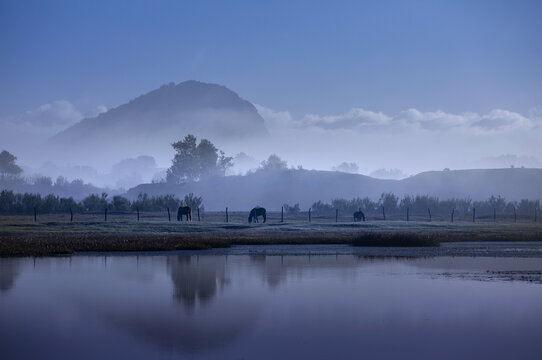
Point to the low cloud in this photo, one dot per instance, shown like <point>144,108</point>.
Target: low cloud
<point>59,113</point>
<point>275,119</point>
<point>21,133</point>
<point>358,119</point>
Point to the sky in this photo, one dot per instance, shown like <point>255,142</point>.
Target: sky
<point>457,67</point>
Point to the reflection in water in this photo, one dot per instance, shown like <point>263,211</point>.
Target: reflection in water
<point>9,269</point>
<point>269,307</point>
<point>196,278</point>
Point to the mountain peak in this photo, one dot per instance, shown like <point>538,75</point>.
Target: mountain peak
<point>165,115</point>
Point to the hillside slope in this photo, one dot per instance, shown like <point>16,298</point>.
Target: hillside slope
<point>272,189</point>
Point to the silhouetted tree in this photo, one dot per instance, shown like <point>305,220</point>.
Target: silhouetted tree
<point>194,161</point>
<point>120,203</point>
<point>9,170</point>
<point>95,202</point>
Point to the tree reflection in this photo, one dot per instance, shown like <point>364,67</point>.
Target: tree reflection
<point>9,270</point>
<point>196,278</point>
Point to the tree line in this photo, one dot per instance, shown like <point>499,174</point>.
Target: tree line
<point>420,204</point>
<point>12,203</point>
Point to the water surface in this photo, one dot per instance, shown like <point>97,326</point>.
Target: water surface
<point>243,303</point>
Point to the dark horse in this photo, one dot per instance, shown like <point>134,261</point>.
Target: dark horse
<point>184,210</point>
<point>254,213</point>
<point>359,215</point>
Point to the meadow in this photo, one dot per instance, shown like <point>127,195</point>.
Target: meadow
<point>51,234</point>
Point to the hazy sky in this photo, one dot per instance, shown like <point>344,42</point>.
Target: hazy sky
<point>300,56</point>
<point>470,69</point>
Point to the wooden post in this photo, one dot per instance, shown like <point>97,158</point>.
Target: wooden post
<point>309,214</point>
<point>473,214</point>
<point>453,210</point>
<point>282,214</point>
<point>535,214</point>
<point>494,214</point>
<point>227,217</point>
<point>137,209</point>
<point>515,215</point>
<point>35,214</point>
<point>168,214</point>
<point>407,214</point>
<point>336,215</point>
<point>198,214</point>
<point>105,213</point>
<point>71,215</point>
<point>384,212</point>
<point>429,211</point>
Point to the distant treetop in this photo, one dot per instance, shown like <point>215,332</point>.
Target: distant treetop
<point>8,167</point>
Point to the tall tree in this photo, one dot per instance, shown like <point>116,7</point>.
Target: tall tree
<point>193,161</point>
<point>8,167</point>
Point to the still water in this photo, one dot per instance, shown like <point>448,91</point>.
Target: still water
<point>222,305</point>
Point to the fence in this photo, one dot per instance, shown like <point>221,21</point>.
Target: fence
<point>278,216</point>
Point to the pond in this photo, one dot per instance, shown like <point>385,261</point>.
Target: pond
<point>318,302</point>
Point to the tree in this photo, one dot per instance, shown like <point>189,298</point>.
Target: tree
<point>95,202</point>
<point>273,163</point>
<point>291,209</point>
<point>120,203</point>
<point>8,168</point>
<point>193,201</point>
<point>194,161</point>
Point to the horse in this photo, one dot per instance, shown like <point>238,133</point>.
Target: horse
<point>184,210</point>
<point>257,211</point>
<point>359,215</point>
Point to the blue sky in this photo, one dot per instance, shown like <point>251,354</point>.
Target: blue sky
<point>299,56</point>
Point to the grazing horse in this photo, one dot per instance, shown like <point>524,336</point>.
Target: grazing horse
<point>184,210</point>
<point>359,215</point>
<point>254,213</point>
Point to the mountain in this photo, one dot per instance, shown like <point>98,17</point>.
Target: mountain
<point>272,189</point>
<point>151,122</point>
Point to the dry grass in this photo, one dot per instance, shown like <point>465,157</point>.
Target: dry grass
<point>20,236</point>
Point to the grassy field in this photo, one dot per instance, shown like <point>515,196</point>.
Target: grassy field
<point>54,234</point>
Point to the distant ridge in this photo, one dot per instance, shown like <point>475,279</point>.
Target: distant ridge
<point>307,186</point>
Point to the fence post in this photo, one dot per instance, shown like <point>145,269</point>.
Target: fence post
<point>473,214</point>
<point>494,214</point>
<point>336,215</point>
<point>71,215</point>
<point>309,214</point>
<point>453,210</point>
<point>282,214</point>
<point>384,213</point>
<point>137,209</point>
<point>105,213</point>
<point>168,214</point>
<point>198,214</point>
<point>227,218</point>
<point>515,215</point>
<point>35,214</point>
<point>429,211</point>
<point>407,214</point>
<point>535,214</point>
